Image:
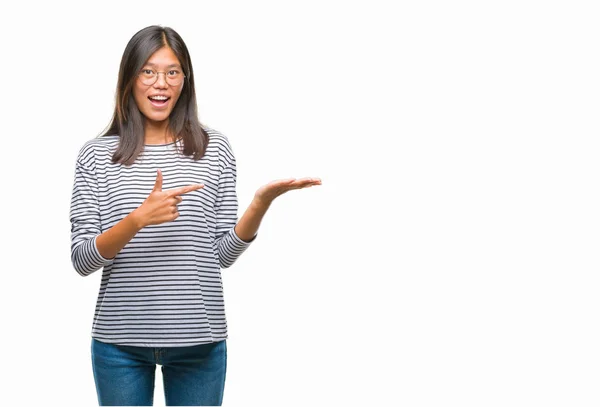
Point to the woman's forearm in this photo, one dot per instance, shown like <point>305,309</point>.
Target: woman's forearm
<point>248,224</point>
<point>111,242</point>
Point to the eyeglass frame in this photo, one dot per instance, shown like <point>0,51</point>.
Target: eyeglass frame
<point>156,76</point>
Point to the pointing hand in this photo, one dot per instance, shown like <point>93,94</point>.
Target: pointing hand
<point>161,206</point>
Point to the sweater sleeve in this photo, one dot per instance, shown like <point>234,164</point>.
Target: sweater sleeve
<point>85,219</point>
<point>229,246</point>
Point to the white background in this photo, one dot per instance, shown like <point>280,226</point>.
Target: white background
<point>450,256</point>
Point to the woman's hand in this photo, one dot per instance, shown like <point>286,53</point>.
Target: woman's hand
<point>161,206</point>
<point>267,193</point>
<point>249,223</point>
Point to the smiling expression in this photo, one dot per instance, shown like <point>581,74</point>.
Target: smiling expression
<point>146,96</point>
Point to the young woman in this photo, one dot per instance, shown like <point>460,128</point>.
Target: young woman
<point>154,204</point>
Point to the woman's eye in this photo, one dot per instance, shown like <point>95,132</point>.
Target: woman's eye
<point>148,71</point>
<point>173,72</point>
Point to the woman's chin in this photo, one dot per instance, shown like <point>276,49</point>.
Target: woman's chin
<point>157,118</point>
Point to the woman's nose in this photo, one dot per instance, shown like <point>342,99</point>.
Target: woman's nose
<point>161,80</point>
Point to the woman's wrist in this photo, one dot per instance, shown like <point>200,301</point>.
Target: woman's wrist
<point>136,219</point>
<point>260,204</point>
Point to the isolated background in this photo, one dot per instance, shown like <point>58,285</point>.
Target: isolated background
<point>450,256</point>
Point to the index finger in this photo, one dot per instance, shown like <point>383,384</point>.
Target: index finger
<point>185,190</point>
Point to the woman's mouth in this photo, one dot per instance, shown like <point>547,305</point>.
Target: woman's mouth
<point>158,101</point>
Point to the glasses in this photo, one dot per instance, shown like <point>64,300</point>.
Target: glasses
<point>149,76</point>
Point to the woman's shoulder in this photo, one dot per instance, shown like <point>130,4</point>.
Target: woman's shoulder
<point>102,141</point>
<point>215,135</point>
<point>218,141</point>
<point>98,145</point>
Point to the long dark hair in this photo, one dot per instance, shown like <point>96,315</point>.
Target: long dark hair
<point>128,121</point>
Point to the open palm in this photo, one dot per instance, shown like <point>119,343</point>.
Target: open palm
<point>267,193</point>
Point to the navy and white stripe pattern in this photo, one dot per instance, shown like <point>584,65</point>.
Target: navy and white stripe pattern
<point>164,287</point>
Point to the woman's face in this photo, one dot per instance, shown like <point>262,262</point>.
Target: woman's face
<point>163,60</point>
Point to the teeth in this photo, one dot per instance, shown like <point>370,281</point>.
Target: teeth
<point>159,97</point>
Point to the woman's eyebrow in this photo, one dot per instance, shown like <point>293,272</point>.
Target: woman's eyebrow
<point>169,66</point>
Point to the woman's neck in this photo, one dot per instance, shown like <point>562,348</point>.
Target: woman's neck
<point>157,132</point>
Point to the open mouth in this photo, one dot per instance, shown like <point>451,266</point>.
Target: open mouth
<point>158,101</point>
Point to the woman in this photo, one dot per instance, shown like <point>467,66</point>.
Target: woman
<point>154,204</point>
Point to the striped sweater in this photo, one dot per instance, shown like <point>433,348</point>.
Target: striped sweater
<point>164,288</point>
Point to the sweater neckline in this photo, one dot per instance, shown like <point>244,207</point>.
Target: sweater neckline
<point>162,145</point>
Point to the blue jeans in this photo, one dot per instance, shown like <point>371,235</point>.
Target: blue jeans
<point>192,375</point>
